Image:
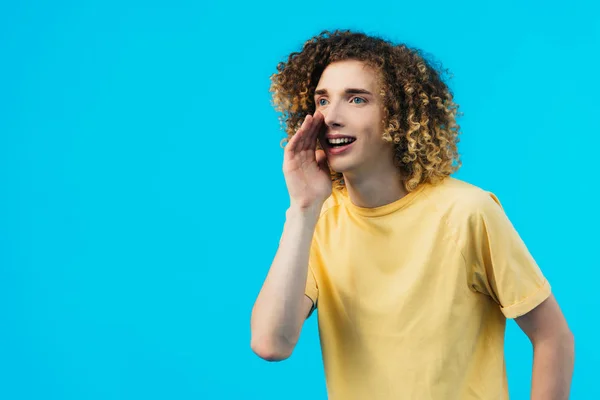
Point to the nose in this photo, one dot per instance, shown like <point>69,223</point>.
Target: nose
<point>332,116</point>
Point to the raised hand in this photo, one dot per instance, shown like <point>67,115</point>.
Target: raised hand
<point>305,168</point>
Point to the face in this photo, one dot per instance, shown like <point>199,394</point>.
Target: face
<point>348,97</point>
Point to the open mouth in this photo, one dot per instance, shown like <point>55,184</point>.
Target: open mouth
<point>340,142</point>
<point>339,145</point>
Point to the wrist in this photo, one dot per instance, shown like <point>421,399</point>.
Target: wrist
<point>308,213</point>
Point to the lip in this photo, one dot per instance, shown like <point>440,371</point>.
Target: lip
<point>338,136</point>
<point>339,150</point>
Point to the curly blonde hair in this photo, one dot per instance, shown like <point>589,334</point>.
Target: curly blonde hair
<point>419,112</point>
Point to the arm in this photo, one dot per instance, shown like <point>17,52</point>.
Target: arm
<point>282,307</point>
<point>553,350</point>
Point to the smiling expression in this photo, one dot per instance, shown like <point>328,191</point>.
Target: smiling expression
<point>347,96</point>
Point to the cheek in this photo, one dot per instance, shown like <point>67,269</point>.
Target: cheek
<point>372,128</point>
<point>372,120</point>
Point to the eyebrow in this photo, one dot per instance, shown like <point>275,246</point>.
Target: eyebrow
<point>347,91</point>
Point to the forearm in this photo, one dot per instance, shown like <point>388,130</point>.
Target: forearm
<point>553,364</point>
<point>277,314</point>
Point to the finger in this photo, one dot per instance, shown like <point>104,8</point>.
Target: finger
<point>298,136</point>
<point>322,160</point>
<point>316,128</point>
<point>308,137</point>
<point>322,141</point>
<point>302,143</point>
<point>296,140</point>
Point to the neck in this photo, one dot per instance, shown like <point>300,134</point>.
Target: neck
<point>376,190</point>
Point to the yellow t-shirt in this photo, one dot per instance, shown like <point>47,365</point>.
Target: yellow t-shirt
<point>413,296</point>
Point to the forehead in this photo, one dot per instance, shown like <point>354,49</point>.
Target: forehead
<point>348,73</point>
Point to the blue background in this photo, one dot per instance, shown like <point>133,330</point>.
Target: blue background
<point>142,199</point>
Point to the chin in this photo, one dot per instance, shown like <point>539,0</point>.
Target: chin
<point>341,166</point>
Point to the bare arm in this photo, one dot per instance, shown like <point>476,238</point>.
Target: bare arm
<point>281,306</point>
<point>553,351</point>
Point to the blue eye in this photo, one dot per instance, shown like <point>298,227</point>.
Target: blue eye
<point>321,102</point>
<point>357,98</point>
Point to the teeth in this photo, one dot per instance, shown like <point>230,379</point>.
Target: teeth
<point>340,141</point>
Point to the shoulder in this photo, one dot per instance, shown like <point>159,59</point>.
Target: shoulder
<point>473,214</point>
<point>463,199</point>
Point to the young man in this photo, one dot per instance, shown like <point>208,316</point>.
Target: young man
<point>414,272</point>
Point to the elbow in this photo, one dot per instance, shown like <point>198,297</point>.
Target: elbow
<point>568,338</point>
<point>568,343</point>
<point>270,350</point>
<point>571,337</point>
<point>565,341</point>
<point>571,340</point>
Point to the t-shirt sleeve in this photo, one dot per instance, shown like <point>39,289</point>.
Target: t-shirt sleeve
<point>500,264</point>
<point>312,290</point>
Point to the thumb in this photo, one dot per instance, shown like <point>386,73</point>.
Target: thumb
<point>321,158</point>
